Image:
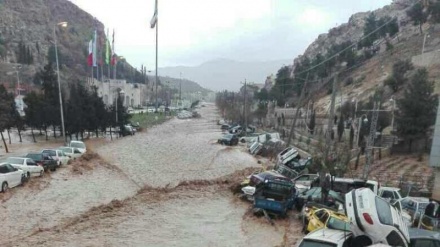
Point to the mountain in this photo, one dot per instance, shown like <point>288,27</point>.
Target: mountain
<point>27,31</point>
<point>188,86</point>
<point>226,74</point>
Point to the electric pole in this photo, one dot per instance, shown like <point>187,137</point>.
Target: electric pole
<point>331,117</point>
<point>370,140</point>
<point>301,97</point>
<point>244,109</point>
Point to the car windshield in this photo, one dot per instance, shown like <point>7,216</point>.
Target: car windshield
<point>66,150</point>
<point>50,152</point>
<point>315,243</point>
<point>35,156</point>
<point>14,160</point>
<point>337,224</point>
<point>77,145</point>
<point>383,209</point>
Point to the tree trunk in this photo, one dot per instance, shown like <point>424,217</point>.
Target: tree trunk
<point>111,136</point>
<point>82,135</point>
<point>54,132</point>
<point>33,135</point>
<point>4,142</point>
<point>45,131</point>
<point>420,28</point>
<point>19,134</point>
<point>96,133</point>
<point>41,133</point>
<point>76,135</point>
<point>410,144</point>
<point>9,136</point>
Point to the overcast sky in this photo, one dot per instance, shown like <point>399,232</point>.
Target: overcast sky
<point>195,31</point>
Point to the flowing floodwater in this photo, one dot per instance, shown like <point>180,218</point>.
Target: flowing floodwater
<point>185,198</point>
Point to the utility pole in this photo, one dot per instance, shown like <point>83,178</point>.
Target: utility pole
<point>292,128</point>
<point>244,109</point>
<point>331,117</point>
<point>370,140</point>
<point>157,48</point>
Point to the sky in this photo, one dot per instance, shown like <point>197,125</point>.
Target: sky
<point>195,31</point>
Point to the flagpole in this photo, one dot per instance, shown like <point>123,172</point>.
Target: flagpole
<point>157,36</point>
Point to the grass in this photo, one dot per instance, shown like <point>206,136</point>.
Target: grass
<point>149,120</point>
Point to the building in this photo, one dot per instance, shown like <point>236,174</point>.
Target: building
<point>134,94</point>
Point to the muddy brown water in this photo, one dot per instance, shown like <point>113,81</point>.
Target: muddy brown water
<point>99,204</point>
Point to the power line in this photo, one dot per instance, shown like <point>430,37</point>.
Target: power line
<point>350,46</point>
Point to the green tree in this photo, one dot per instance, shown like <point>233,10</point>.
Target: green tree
<point>33,112</point>
<point>434,9</point>
<point>51,105</point>
<point>7,105</point>
<point>341,127</point>
<point>418,15</point>
<point>369,29</point>
<point>312,123</point>
<point>398,75</point>
<point>51,55</point>
<point>417,109</point>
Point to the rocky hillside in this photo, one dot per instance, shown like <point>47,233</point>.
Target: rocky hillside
<point>31,23</point>
<point>369,74</point>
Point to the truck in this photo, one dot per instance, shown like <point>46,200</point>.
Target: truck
<point>275,196</point>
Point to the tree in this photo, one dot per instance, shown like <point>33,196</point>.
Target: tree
<point>418,15</point>
<point>312,123</point>
<point>398,75</point>
<point>51,55</point>
<point>417,109</point>
<point>33,112</point>
<point>51,105</point>
<point>434,9</point>
<point>341,127</point>
<point>7,104</point>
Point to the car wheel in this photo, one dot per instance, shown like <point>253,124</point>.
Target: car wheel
<point>53,169</point>
<point>41,173</point>
<point>28,175</point>
<point>4,187</point>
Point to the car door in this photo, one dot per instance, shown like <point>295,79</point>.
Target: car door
<point>15,176</point>
<point>32,166</point>
<point>319,219</point>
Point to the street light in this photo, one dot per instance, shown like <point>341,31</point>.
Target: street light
<point>61,24</point>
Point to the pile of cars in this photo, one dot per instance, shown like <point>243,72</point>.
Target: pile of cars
<point>15,171</point>
<point>355,213</point>
<point>234,134</point>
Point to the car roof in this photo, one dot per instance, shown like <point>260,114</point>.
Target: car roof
<point>17,158</point>
<point>328,235</point>
<point>421,233</point>
<point>4,163</point>
<point>417,199</point>
<point>389,188</point>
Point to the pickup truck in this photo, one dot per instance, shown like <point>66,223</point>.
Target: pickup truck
<point>275,196</point>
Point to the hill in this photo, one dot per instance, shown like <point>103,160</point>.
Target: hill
<point>227,74</point>
<point>29,25</point>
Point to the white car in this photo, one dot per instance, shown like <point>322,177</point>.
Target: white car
<point>79,145</point>
<point>390,194</point>
<point>325,237</point>
<point>10,176</point>
<point>28,165</point>
<point>373,217</point>
<point>286,155</point>
<point>73,153</point>
<point>57,155</point>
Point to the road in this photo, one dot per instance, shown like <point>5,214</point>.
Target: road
<point>168,186</point>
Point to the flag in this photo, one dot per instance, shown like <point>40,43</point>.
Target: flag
<point>154,19</point>
<point>90,56</point>
<point>113,50</point>
<point>95,50</point>
<point>107,49</point>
